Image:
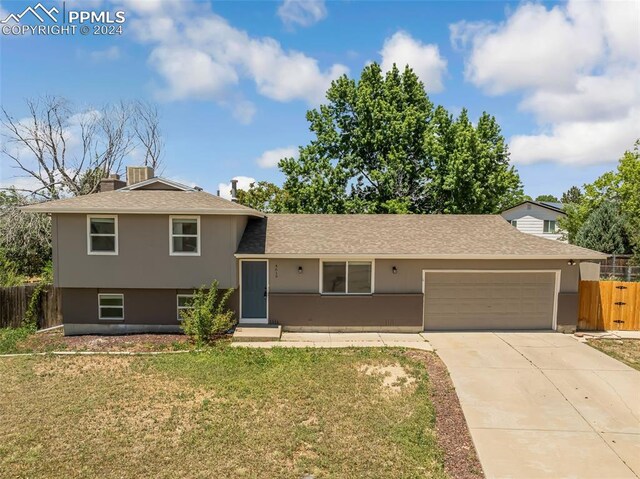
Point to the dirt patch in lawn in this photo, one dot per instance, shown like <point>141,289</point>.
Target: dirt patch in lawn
<point>452,434</point>
<point>394,377</point>
<point>625,350</point>
<point>137,343</point>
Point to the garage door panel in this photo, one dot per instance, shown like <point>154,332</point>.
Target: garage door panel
<point>489,300</point>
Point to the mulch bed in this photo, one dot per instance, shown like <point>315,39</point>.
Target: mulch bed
<point>137,343</point>
<point>460,457</point>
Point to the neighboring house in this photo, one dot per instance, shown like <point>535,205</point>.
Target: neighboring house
<point>537,218</point>
<point>128,260</point>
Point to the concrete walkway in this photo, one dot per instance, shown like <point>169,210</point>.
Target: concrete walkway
<point>343,340</point>
<point>544,405</point>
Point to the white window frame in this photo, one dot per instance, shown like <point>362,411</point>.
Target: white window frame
<point>555,227</point>
<point>90,235</point>
<point>346,279</point>
<point>178,307</point>
<point>171,235</point>
<point>100,295</point>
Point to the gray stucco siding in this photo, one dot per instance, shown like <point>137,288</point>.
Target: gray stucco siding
<point>141,306</point>
<point>295,301</point>
<point>284,276</point>
<point>379,312</point>
<point>408,278</point>
<point>143,259</point>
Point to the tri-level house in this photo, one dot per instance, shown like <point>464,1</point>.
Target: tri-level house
<point>128,258</point>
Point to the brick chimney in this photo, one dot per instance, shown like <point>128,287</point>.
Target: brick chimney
<point>111,183</point>
<point>138,174</point>
<point>234,191</point>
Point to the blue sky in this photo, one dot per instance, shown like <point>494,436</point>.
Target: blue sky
<point>233,80</point>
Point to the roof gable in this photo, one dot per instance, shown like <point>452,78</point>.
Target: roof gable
<point>158,183</point>
<point>548,206</point>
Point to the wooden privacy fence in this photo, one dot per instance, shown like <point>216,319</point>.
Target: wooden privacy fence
<point>14,303</point>
<point>609,305</point>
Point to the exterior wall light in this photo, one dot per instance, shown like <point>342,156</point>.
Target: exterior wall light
<point>571,262</point>
<point>299,269</point>
<point>394,270</point>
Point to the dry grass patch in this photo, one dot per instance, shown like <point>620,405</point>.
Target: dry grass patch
<point>625,350</point>
<point>56,341</point>
<point>229,412</point>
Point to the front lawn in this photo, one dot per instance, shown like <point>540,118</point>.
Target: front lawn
<point>227,412</point>
<point>625,350</point>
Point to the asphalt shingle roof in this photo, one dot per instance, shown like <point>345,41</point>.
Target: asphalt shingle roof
<point>442,236</point>
<point>144,201</point>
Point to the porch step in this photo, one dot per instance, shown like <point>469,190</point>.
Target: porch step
<point>258,332</point>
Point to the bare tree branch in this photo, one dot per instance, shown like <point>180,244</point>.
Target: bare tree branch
<point>67,151</point>
<point>146,128</point>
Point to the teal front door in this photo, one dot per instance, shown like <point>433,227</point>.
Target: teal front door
<point>253,292</point>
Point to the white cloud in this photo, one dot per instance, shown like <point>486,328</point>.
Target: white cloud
<point>243,111</point>
<point>592,98</point>
<point>577,67</point>
<point>244,183</point>
<point>302,12</point>
<point>578,142</point>
<point>535,47</point>
<point>425,60</point>
<point>200,55</point>
<point>205,79</point>
<point>108,54</point>
<point>270,158</point>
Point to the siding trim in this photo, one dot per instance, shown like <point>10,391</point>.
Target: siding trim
<point>366,256</point>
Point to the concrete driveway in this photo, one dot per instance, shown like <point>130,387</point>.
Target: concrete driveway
<point>541,404</point>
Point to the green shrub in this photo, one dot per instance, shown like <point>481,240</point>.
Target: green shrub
<point>10,337</point>
<point>46,280</point>
<point>9,275</point>
<point>209,316</point>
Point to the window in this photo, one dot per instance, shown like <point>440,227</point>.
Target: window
<point>184,302</point>
<point>549,226</point>
<point>102,234</point>
<point>346,277</point>
<point>111,306</point>
<point>514,223</point>
<point>184,235</point>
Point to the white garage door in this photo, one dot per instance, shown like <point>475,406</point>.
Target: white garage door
<point>488,300</point>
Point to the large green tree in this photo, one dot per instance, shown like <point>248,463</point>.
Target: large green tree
<point>262,196</point>
<point>621,187</point>
<point>572,196</point>
<point>380,146</point>
<point>549,198</point>
<point>605,230</point>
